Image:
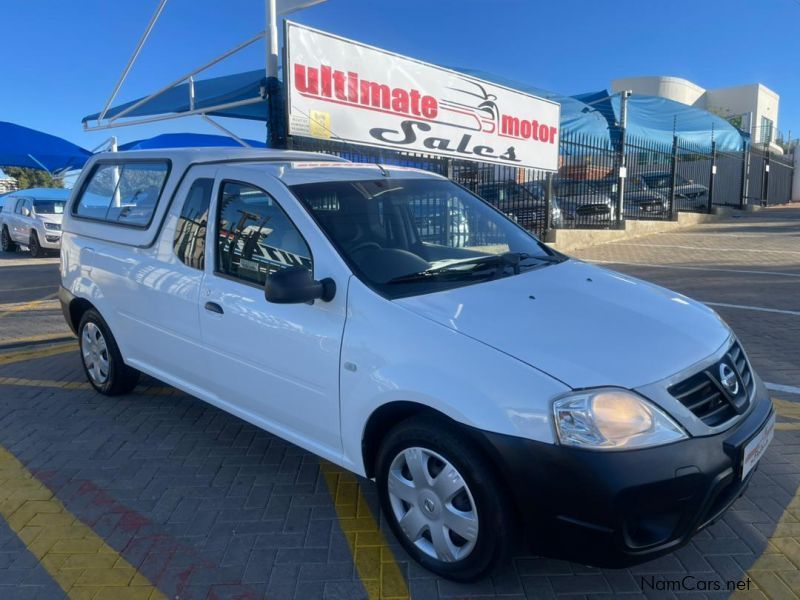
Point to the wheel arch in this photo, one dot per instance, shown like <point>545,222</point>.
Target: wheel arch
<point>76,308</point>
<point>388,415</point>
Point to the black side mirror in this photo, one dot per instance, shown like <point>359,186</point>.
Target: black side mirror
<point>296,285</point>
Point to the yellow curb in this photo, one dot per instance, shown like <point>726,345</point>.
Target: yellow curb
<point>75,556</point>
<point>44,337</point>
<point>16,356</point>
<point>374,560</point>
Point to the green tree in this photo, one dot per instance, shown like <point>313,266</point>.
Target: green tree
<point>32,178</point>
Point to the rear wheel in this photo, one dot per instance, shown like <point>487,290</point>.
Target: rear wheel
<point>441,499</point>
<point>102,361</point>
<point>34,246</point>
<point>6,243</point>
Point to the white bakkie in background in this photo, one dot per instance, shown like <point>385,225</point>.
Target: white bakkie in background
<point>32,218</point>
<point>399,326</point>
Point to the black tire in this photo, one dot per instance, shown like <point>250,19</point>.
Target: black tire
<point>6,244</point>
<point>481,495</point>
<point>117,377</point>
<point>34,246</point>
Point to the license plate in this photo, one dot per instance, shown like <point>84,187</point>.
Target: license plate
<point>756,447</point>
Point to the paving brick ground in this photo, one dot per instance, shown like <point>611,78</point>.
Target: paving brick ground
<point>207,506</point>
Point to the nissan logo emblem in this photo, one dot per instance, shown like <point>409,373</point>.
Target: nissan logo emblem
<point>728,379</point>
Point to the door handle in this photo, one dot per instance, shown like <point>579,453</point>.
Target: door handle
<point>214,307</point>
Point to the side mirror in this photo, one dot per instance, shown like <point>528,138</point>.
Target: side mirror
<point>296,285</point>
<point>26,212</point>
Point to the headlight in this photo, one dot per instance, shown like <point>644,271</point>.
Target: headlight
<point>612,419</point>
<point>52,226</point>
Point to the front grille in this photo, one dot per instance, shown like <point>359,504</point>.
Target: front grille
<point>705,395</point>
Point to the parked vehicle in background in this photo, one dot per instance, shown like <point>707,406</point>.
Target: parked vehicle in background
<point>582,203</point>
<point>433,220</point>
<point>32,218</point>
<point>490,385</point>
<point>639,199</point>
<point>688,194</point>
<point>524,203</point>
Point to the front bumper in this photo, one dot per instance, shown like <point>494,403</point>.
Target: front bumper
<point>615,509</point>
<point>51,240</point>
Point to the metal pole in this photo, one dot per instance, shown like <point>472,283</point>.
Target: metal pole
<point>745,177</point>
<point>623,118</point>
<point>272,38</point>
<point>548,203</point>
<point>765,191</point>
<point>673,179</point>
<point>712,177</point>
<point>115,173</point>
<point>133,57</point>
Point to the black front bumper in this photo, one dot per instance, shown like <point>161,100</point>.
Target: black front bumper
<point>615,509</point>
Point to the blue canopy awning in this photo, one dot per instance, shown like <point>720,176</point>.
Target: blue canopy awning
<point>208,93</point>
<point>655,120</point>
<point>187,140</point>
<point>24,147</point>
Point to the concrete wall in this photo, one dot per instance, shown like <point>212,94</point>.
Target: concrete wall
<point>672,88</point>
<point>568,240</point>
<point>755,98</point>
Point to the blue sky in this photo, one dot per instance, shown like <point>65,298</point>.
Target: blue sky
<point>62,59</point>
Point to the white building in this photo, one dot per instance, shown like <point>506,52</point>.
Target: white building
<point>7,184</point>
<point>752,108</point>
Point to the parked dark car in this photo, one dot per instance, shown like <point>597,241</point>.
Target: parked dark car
<point>638,197</point>
<point>688,194</point>
<point>583,203</point>
<point>525,204</point>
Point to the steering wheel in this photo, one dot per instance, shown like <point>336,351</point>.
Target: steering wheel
<point>364,245</point>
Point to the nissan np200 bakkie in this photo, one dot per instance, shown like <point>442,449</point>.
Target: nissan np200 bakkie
<point>391,322</point>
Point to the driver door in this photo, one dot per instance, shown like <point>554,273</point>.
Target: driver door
<point>276,365</point>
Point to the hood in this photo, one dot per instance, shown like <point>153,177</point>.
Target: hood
<point>581,324</point>
<point>50,218</point>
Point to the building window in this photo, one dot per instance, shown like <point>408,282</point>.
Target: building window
<point>766,130</point>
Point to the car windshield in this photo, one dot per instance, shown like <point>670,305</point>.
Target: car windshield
<point>49,207</point>
<point>407,237</point>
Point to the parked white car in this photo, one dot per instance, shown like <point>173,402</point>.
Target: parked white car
<point>32,218</point>
<point>488,384</point>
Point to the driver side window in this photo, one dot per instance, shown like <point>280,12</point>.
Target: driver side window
<point>254,236</point>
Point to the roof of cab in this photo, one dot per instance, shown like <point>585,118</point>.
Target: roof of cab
<point>213,155</point>
<point>291,167</point>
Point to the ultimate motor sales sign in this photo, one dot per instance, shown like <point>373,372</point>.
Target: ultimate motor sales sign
<point>346,91</point>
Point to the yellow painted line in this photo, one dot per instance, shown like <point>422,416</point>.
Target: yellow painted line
<point>777,571</point>
<point>374,560</point>
<point>154,390</point>
<point>47,303</point>
<point>74,555</point>
<point>16,356</point>
<point>36,338</point>
<point>68,385</point>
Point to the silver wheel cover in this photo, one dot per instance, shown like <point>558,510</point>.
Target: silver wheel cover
<point>433,504</point>
<point>95,353</point>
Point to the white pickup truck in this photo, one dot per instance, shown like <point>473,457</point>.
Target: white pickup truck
<point>32,218</point>
<point>490,385</point>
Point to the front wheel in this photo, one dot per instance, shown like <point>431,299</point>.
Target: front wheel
<point>34,246</point>
<point>441,499</point>
<point>102,361</point>
<point>6,243</point>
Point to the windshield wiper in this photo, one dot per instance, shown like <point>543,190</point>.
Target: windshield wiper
<point>471,265</point>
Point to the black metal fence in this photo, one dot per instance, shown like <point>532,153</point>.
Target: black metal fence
<point>659,180</point>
